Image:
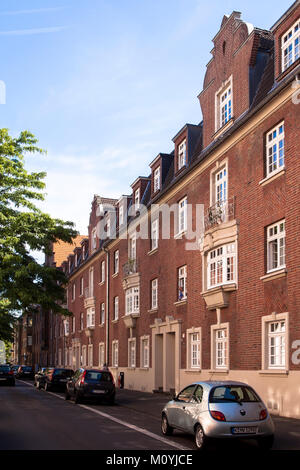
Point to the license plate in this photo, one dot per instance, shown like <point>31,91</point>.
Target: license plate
<point>244,430</point>
<point>2,379</point>
<point>27,372</point>
<point>62,380</point>
<point>99,391</point>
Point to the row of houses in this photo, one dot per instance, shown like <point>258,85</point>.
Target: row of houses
<point>195,273</point>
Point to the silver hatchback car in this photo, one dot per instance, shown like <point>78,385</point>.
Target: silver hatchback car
<point>219,410</point>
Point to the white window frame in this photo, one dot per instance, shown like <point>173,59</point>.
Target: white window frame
<point>137,198</point>
<point>290,46</point>
<point>222,265</point>
<point>156,179</point>
<point>102,272</point>
<point>116,307</point>
<point>83,356</point>
<point>90,358</point>
<point>280,340</point>
<point>224,104</point>
<point>154,294</point>
<point>181,154</point>
<point>121,215</point>
<point>102,313</point>
<point>81,286</point>
<point>94,239</point>
<point>220,346</point>
<point>182,215</point>
<point>132,353</point>
<point>276,246</point>
<point>182,283</point>
<point>90,317</point>
<point>115,353</point>
<point>116,261</point>
<point>154,234</point>
<point>145,352</point>
<point>194,348</point>
<point>101,354</point>
<point>81,321</point>
<point>275,149</point>
<point>132,300</point>
<point>132,246</point>
<point>73,291</point>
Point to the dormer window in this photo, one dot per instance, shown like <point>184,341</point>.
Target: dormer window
<point>182,154</point>
<point>94,239</point>
<point>156,180</point>
<point>224,109</point>
<point>290,46</point>
<point>137,198</point>
<point>121,215</point>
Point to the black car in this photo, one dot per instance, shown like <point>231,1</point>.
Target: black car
<point>25,372</point>
<point>38,378</point>
<point>6,375</point>
<point>97,385</point>
<point>55,378</point>
<point>15,368</point>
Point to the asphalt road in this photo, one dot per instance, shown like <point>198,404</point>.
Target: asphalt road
<point>32,419</point>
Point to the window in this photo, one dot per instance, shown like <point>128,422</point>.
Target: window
<point>154,234</point>
<point>102,313</point>
<point>275,149</point>
<point>101,354</point>
<point>154,294</point>
<point>121,215</point>
<point>137,198</point>
<point>116,262</point>
<point>195,350</point>
<point>182,215</point>
<point>221,348</point>
<point>29,340</point>
<point>276,246</point>
<point>290,46</point>
<point>182,278</point>
<point>73,324</point>
<point>83,356</point>
<point>221,266</point>
<point>221,185</point>
<point>115,353</point>
<point>108,227</point>
<point>156,180</point>
<point>223,104</point>
<point>90,317</point>
<point>94,239</point>
<point>91,283</point>
<point>73,291</point>
<point>66,327</point>
<point>102,274</point>
<point>90,355</point>
<point>81,321</point>
<point>145,351</point>
<point>276,345</point>
<point>81,286</point>
<point>131,352</point>
<point>132,300</point>
<point>182,154</point>
<point>116,308</point>
<point>132,247</point>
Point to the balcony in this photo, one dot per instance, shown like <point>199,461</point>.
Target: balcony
<point>89,299</point>
<point>221,212</point>
<point>131,276</point>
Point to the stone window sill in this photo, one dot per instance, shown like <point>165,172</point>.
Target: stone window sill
<point>281,372</point>
<point>115,275</point>
<point>153,310</point>
<point>272,177</point>
<point>193,371</point>
<point>180,302</point>
<point>274,275</point>
<point>115,321</point>
<point>151,252</point>
<point>179,235</point>
<point>219,371</point>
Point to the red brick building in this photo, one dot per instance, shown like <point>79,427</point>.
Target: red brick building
<point>166,314</point>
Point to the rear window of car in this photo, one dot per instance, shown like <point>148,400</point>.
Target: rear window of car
<point>63,372</point>
<point>4,368</point>
<point>232,393</point>
<point>95,376</point>
<point>27,369</point>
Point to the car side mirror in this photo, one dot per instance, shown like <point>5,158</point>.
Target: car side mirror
<point>174,397</point>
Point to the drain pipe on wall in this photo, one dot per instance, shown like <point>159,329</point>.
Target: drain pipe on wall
<point>107,308</point>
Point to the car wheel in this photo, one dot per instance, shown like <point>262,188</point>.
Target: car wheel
<point>165,428</point>
<point>67,396</point>
<point>200,438</point>
<point>265,443</point>
<point>111,401</point>
<point>46,387</point>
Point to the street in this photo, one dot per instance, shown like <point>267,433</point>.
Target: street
<point>32,419</point>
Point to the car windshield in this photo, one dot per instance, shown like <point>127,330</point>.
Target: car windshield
<point>236,393</point>
<point>96,376</point>
<point>4,368</point>
<point>63,372</point>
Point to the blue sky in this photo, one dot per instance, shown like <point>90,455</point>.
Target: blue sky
<point>105,85</point>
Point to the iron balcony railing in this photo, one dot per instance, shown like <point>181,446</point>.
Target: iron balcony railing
<point>221,212</point>
<point>130,267</point>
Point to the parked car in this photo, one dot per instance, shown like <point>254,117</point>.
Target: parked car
<point>6,375</point>
<point>25,372</point>
<point>219,410</point>
<point>39,377</point>
<point>97,385</point>
<point>15,368</point>
<point>55,378</point>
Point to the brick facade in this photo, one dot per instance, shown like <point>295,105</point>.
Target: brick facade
<point>243,308</point>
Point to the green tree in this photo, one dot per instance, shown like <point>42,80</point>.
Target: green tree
<point>24,283</point>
